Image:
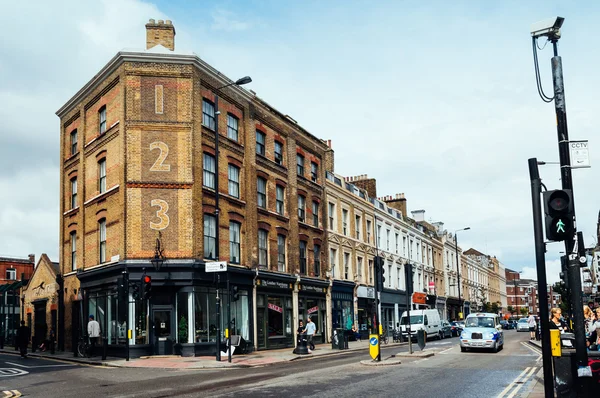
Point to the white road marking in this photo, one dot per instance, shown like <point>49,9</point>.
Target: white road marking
<point>511,385</point>
<point>38,366</point>
<point>533,370</point>
<point>535,350</point>
<point>9,372</point>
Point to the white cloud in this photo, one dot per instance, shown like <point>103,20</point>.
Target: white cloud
<point>225,20</point>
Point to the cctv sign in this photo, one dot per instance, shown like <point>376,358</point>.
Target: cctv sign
<point>579,154</point>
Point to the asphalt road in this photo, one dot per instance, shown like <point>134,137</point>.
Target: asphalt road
<point>449,373</point>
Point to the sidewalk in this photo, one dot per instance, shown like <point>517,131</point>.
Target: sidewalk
<point>537,389</point>
<point>254,359</point>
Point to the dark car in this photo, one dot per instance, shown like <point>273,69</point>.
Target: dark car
<point>505,324</point>
<point>457,328</point>
<point>445,330</point>
<point>512,324</point>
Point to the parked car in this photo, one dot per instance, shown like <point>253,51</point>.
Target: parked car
<point>456,328</point>
<point>522,325</point>
<point>445,329</point>
<point>512,324</point>
<point>482,330</point>
<point>505,324</point>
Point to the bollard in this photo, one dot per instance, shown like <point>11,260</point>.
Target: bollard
<point>301,346</point>
<point>33,343</point>
<point>104,347</point>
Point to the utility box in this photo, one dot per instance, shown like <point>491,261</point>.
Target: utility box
<point>421,338</point>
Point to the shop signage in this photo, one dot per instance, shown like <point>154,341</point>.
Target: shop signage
<point>309,288</point>
<point>419,298</point>
<point>276,284</point>
<point>313,309</point>
<point>275,308</point>
<point>216,266</point>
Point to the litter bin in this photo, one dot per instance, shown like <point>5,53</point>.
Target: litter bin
<point>301,344</point>
<point>421,338</point>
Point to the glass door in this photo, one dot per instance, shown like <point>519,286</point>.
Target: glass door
<point>162,324</point>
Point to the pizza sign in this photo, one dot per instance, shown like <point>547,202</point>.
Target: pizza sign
<point>275,308</point>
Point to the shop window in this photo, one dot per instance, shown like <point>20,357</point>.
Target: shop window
<point>275,317</point>
<point>210,236</point>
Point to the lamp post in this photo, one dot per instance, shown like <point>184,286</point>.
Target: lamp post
<point>460,314</point>
<point>238,82</point>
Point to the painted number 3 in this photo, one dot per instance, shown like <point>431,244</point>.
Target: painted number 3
<point>161,214</point>
<point>164,152</point>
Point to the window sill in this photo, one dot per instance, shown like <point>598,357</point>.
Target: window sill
<point>100,135</point>
<point>101,196</point>
<point>71,212</point>
<point>233,199</point>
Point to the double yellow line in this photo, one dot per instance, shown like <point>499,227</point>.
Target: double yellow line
<point>516,385</point>
<point>11,393</point>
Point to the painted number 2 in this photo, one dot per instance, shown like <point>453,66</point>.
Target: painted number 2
<point>164,152</point>
<point>161,214</point>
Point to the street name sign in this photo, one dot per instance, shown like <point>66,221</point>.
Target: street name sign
<point>579,154</point>
<point>216,266</point>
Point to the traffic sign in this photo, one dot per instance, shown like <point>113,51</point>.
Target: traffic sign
<point>216,266</point>
<point>374,346</point>
<point>579,154</point>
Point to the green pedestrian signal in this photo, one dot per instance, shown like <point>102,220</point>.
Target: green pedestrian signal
<point>559,215</point>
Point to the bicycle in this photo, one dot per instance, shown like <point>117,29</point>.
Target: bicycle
<point>397,336</point>
<point>384,337</point>
<point>83,347</point>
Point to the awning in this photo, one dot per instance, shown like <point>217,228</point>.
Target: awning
<point>11,286</point>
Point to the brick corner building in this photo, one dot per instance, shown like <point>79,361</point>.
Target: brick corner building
<point>140,166</point>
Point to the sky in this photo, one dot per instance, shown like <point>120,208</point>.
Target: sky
<point>436,100</point>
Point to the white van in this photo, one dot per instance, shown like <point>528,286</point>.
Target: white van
<point>427,320</point>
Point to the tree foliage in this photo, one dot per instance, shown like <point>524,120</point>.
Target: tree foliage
<point>510,309</point>
<point>524,310</point>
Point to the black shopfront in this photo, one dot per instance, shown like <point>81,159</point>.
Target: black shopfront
<point>393,303</point>
<point>342,305</point>
<point>274,310</point>
<point>312,303</point>
<point>366,310</point>
<point>178,318</point>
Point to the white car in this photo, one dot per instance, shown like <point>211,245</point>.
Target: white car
<point>522,325</point>
<point>482,330</point>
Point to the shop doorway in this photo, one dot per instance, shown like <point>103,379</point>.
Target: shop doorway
<point>40,328</point>
<point>163,329</point>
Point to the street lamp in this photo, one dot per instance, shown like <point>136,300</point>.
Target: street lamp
<point>238,82</point>
<point>159,258</point>
<point>460,314</point>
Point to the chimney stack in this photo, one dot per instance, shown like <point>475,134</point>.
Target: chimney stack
<point>32,258</point>
<point>397,202</point>
<point>162,33</point>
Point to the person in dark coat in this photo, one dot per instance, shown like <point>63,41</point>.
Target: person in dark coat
<point>23,337</point>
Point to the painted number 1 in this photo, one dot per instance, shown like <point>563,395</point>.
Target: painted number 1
<point>161,214</point>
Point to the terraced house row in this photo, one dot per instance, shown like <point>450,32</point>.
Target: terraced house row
<point>166,161</point>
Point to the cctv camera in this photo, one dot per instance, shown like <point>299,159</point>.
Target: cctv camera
<point>547,27</point>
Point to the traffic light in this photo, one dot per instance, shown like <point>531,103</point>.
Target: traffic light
<point>379,272</point>
<point>558,208</point>
<point>146,286</point>
<point>563,272</point>
<point>408,276</point>
<point>235,293</point>
<point>136,290</point>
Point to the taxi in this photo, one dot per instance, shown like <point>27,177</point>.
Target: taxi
<point>482,330</point>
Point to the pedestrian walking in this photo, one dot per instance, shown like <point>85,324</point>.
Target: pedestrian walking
<point>93,333</point>
<point>23,337</point>
<point>310,330</point>
<point>532,324</point>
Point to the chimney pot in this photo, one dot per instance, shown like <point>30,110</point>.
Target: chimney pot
<point>160,34</point>
<point>152,21</point>
<point>168,22</point>
<point>161,22</point>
